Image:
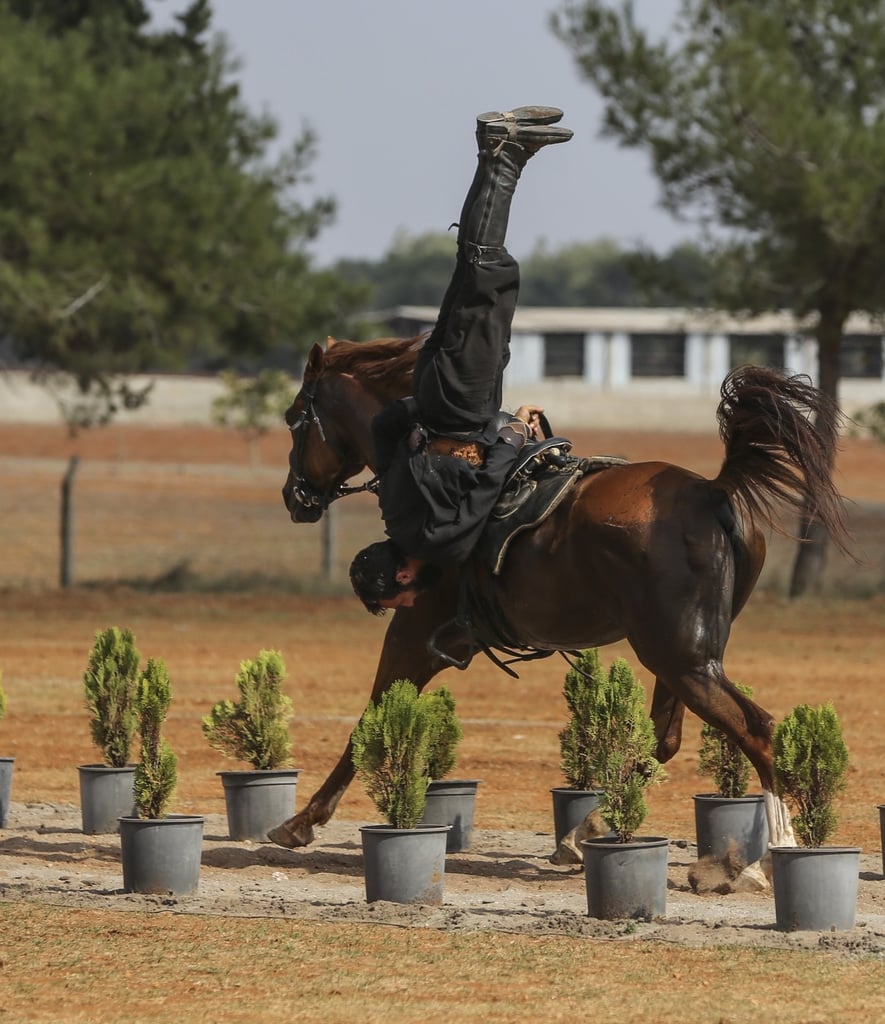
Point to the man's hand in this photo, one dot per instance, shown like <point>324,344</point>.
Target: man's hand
<point>531,416</point>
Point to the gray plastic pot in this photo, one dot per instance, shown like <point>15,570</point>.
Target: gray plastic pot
<point>570,808</point>
<point>626,880</point>
<point>452,802</point>
<point>882,834</point>
<point>404,865</point>
<point>162,855</point>
<point>734,825</point>
<point>257,801</point>
<point>815,888</point>
<point>6,766</point>
<point>105,797</point>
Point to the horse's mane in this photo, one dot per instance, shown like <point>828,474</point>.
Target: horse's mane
<point>384,360</point>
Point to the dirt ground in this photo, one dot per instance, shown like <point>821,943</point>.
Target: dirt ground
<point>822,649</point>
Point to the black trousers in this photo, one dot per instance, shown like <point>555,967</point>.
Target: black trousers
<point>458,376</point>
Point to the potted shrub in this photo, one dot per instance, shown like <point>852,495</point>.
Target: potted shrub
<point>575,802</point>
<point>449,801</point>
<point>109,685</point>
<point>626,874</point>
<point>255,730</point>
<point>729,825</point>
<point>404,862</point>
<point>815,885</point>
<point>160,852</point>
<point>6,766</point>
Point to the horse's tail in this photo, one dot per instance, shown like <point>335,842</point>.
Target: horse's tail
<point>780,437</point>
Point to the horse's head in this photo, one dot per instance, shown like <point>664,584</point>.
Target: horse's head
<point>330,427</point>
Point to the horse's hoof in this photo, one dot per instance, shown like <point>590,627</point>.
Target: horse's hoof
<point>290,838</point>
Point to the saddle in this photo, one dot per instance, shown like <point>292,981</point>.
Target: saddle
<point>539,481</point>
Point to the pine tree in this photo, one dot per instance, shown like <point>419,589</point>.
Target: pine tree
<point>256,728</point>
<point>156,773</point>
<point>111,682</point>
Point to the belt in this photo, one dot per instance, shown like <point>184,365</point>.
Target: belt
<point>472,452</point>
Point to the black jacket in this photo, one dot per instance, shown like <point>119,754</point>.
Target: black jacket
<point>435,506</point>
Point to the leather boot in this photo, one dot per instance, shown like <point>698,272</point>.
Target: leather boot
<point>506,142</point>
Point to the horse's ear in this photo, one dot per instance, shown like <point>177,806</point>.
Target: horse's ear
<point>315,362</point>
<point>330,341</point>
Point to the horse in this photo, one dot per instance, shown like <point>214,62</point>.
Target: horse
<point>648,551</point>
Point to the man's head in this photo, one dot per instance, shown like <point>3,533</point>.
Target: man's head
<point>383,577</point>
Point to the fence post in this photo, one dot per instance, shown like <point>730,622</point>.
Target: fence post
<point>67,523</point>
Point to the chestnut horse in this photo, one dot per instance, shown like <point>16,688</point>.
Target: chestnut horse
<point>644,551</point>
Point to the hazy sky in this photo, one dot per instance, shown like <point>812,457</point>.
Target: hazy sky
<point>392,87</point>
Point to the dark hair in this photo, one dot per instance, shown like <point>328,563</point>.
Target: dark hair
<point>373,574</point>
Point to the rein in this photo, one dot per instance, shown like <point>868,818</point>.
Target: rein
<point>303,490</point>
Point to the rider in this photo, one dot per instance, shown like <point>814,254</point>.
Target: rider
<point>442,455</point>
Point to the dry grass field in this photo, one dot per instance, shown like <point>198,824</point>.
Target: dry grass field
<point>181,536</point>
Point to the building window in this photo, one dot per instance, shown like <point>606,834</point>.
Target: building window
<point>757,350</point>
<point>657,355</point>
<point>861,356</point>
<point>563,355</point>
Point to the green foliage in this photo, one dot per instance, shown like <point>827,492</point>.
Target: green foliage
<point>765,124</point>
<point>578,738</point>
<point>722,760</point>
<point>620,744</point>
<point>156,773</point>
<point>810,765</point>
<point>871,421</point>
<point>143,227</point>
<point>256,728</point>
<point>253,405</point>
<point>2,696</point>
<point>447,735</point>
<point>416,270</point>
<point>391,752</point>
<point>110,683</point>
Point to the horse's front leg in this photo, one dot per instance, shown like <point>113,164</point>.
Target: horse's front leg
<point>405,655</point>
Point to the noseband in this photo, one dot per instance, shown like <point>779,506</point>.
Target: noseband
<point>303,491</point>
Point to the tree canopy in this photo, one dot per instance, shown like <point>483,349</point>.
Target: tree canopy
<point>765,122</point>
<point>416,270</point>
<point>143,226</point>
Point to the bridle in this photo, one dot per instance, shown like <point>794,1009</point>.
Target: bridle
<point>303,491</point>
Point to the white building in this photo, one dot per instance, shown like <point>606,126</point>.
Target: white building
<point>658,367</point>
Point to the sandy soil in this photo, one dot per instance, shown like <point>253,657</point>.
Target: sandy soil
<point>506,883</point>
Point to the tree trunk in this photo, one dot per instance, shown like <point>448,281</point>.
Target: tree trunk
<point>811,555</point>
<point>66,570</point>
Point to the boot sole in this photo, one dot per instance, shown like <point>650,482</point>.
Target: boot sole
<point>521,115</point>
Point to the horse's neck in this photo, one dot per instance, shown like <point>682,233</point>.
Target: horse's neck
<point>367,401</point>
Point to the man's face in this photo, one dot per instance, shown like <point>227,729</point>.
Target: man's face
<point>404,599</point>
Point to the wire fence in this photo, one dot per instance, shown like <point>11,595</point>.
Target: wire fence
<point>171,525</point>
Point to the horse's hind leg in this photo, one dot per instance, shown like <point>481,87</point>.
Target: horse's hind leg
<point>711,695</point>
<point>667,714</point>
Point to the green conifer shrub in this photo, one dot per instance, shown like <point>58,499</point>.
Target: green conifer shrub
<point>156,773</point>
<point>255,729</point>
<point>576,740</point>
<point>448,733</point>
<point>810,765</point>
<point>391,752</point>
<point>110,683</point>
<point>2,696</point>
<point>722,760</point>
<point>621,747</point>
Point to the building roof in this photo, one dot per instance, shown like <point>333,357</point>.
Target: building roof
<point>586,320</point>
